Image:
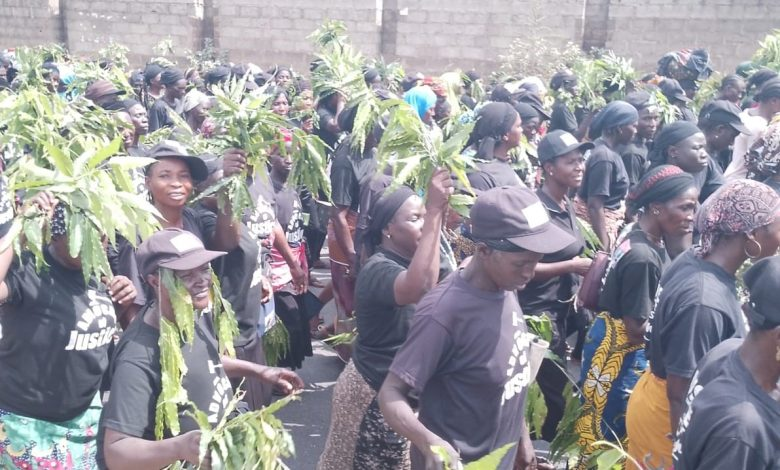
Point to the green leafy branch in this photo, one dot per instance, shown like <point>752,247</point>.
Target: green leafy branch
<point>488,462</point>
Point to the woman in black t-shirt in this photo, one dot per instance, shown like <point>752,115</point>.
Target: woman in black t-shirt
<point>406,237</point>
<point>613,356</point>
<point>742,431</point>
<point>557,276</point>
<point>497,131</point>
<point>606,181</point>
<point>56,332</point>
<point>128,427</point>
<point>698,308</point>
<point>170,182</point>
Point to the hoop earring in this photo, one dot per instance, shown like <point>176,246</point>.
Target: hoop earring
<point>747,252</point>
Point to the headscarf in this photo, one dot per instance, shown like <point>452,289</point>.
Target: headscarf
<point>383,208</point>
<point>494,120</point>
<point>660,184</point>
<point>421,99</point>
<point>763,159</point>
<point>192,99</point>
<point>560,77</point>
<point>740,206</point>
<point>640,99</point>
<point>151,71</point>
<point>526,111</point>
<point>170,76</point>
<point>671,134</point>
<point>216,75</point>
<point>615,114</point>
<point>129,103</point>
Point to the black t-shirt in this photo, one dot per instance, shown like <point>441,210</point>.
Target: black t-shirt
<point>328,137</point>
<point>774,184</point>
<point>733,424</point>
<point>555,294</point>
<point>709,180</point>
<point>605,175</point>
<point>382,325</point>
<point>562,118</point>
<point>632,277</point>
<point>159,117</point>
<point>136,380</point>
<point>634,157</point>
<point>55,335</point>
<point>696,309</point>
<point>348,171</point>
<point>500,173</point>
<point>466,357</point>
<point>236,271</point>
<point>710,368</point>
<point>289,212</point>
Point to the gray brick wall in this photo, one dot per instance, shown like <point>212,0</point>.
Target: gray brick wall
<point>428,35</point>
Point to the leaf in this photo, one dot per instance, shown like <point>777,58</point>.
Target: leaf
<point>535,409</point>
<point>491,461</point>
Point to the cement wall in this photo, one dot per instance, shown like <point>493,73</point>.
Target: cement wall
<point>426,35</point>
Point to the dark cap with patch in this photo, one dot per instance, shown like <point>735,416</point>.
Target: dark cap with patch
<point>175,249</point>
<point>723,112</point>
<point>557,143</point>
<point>514,218</point>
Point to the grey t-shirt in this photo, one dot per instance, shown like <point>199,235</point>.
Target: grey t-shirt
<point>696,309</point>
<point>466,357</point>
<point>732,423</point>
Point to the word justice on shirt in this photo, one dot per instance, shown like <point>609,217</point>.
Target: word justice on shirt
<point>518,370</point>
<point>96,325</point>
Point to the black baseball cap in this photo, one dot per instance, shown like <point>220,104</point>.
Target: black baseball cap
<point>671,89</point>
<point>175,249</point>
<point>557,143</point>
<point>514,217</point>
<point>173,149</point>
<point>762,306</point>
<point>723,112</point>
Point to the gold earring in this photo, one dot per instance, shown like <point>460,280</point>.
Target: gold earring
<point>747,252</point>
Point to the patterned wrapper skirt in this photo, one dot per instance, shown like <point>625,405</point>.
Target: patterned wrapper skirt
<point>611,367</point>
<point>614,218</point>
<point>359,437</point>
<point>32,444</point>
<point>648,425</point>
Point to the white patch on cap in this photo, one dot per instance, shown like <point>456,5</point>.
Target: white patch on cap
<point>569,139</point>
<point>185,242</point>
<point>536,215</point>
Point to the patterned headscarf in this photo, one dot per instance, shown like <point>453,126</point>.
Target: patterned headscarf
<point>763,159</point>
<point>740,206</point>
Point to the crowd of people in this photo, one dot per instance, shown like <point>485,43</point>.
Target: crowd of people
<point>625,232</point>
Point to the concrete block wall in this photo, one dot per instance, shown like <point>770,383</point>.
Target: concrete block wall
<point>138,25</point>
<point>274,32</point>
<point>729,29</point>
<point>426,35</point>
<point>442,34</point>
<point>29,22</point>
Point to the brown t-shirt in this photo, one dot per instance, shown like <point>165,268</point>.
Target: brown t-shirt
<point>466,358</point>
